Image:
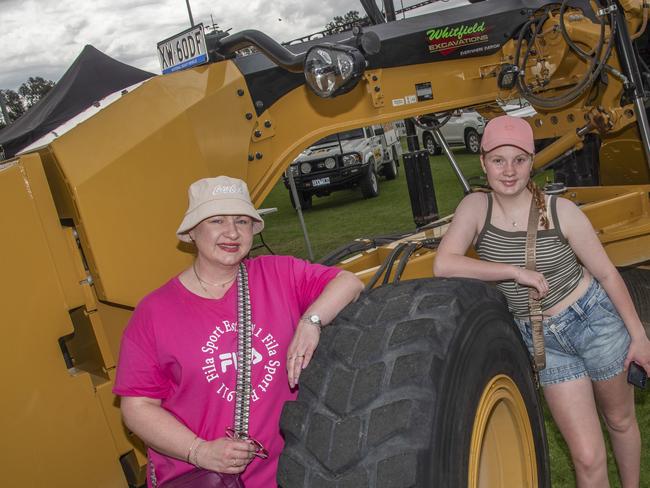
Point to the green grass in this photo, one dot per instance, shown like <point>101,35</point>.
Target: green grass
<point>561,468</point>
<point>345,215</point>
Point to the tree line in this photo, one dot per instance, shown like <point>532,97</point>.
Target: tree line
<point>17,103</point>
<point>342,23</point>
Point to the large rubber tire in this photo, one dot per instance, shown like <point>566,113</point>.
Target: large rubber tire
<point>370,182</point>
<point>472,141</point>
<point>430,145</point>
<point>426,383</point>
<point>390,169</point>
<point>305,200</point>
<point>638,284</point>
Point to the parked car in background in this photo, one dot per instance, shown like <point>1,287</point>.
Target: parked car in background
<point>464,128</point>
<point>346,160</point>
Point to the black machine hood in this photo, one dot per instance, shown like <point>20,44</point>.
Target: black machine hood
<point>458,30</point>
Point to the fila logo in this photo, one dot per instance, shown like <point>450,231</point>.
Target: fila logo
<point>229,359</point>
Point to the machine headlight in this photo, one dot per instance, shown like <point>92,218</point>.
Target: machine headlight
<point>293,170</point>
<point>351,159</point>
<point>305,168</point>
<point>507,77</point>
<point>331,70</point>
<point>330,163</point>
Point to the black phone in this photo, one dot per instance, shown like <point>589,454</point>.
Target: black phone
<point>637,376</point>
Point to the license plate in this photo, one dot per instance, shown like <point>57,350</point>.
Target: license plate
<point>321,181</point>
<point>183,50</point>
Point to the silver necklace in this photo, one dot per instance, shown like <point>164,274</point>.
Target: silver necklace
<point>201,281</point>
<point>513,222</point>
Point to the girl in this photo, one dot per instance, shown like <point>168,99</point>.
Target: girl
<point>591,329</point>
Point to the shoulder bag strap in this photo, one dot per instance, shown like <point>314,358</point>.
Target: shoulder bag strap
<point>244,355</point>
<point>535,308</point>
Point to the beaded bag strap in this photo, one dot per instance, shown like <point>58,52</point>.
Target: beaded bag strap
<point>244,355</point>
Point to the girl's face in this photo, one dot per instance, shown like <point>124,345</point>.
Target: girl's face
<point>507,169</point>
<point>224,239</point>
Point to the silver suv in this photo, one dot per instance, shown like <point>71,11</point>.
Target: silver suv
<point>464,128</point>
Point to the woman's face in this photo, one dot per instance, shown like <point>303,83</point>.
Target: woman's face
<point>223,239</point>
<point>507,169</point>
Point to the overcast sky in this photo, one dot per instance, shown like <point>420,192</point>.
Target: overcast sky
<point>43,37</point>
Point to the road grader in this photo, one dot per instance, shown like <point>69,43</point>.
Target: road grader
<point>423,381</point>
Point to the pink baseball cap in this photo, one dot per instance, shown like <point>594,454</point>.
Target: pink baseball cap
<point>506,130</point>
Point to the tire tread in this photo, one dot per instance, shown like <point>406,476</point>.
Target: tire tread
<point>372,385</point>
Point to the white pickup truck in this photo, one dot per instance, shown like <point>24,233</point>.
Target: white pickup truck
<point>346,160</point>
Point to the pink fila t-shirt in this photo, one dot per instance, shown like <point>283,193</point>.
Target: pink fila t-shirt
<point>181,348</point>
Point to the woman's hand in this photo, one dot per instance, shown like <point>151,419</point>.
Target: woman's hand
<point>225,455</point>
<point>639,352</point>
<point>301,350</point>
<point>532,279</point>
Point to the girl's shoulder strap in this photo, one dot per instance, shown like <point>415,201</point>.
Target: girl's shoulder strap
<point>556,221</point>
<point>488,217</point>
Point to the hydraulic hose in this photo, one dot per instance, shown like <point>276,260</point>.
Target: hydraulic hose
<point>597,61</point>
<point>358,246</point>
<point>403,261</point>
<point>386,266</point>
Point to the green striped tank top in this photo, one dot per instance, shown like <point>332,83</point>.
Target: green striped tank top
<point>554,259</point>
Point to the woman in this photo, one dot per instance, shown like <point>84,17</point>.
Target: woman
<point>178,361</point>
<point>591,329</point>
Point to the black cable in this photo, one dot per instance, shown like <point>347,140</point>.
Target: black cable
<point>359,245</point>
<point>403,261</point>
<point>530,42</point>
<point>389,259</point>
<point>430,242</point>
<point>343,251</point>
<point>597,61</point>
<point>596,65</point>
<point>387,266</point>
<point>437,124</point>
<point>583,54</point>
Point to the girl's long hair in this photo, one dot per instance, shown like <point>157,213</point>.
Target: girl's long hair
<point>540,202</point>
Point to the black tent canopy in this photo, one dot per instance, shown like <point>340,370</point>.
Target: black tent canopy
<point>91,77</point>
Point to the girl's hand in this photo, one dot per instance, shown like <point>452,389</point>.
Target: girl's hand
<point>639,352</point>
<point>301,350</point>
<point>533,279</point>
<point>224,455</point>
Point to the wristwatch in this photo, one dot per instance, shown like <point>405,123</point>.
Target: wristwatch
<point>313,320</point>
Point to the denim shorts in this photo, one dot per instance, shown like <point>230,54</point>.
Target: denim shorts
<point>587,338</point>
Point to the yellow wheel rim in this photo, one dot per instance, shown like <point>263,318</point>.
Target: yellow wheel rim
<point>503,449</point>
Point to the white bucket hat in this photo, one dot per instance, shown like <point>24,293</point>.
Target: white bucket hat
<point>217,196</point>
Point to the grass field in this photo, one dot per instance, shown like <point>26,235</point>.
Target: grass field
<point>345,215</point>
